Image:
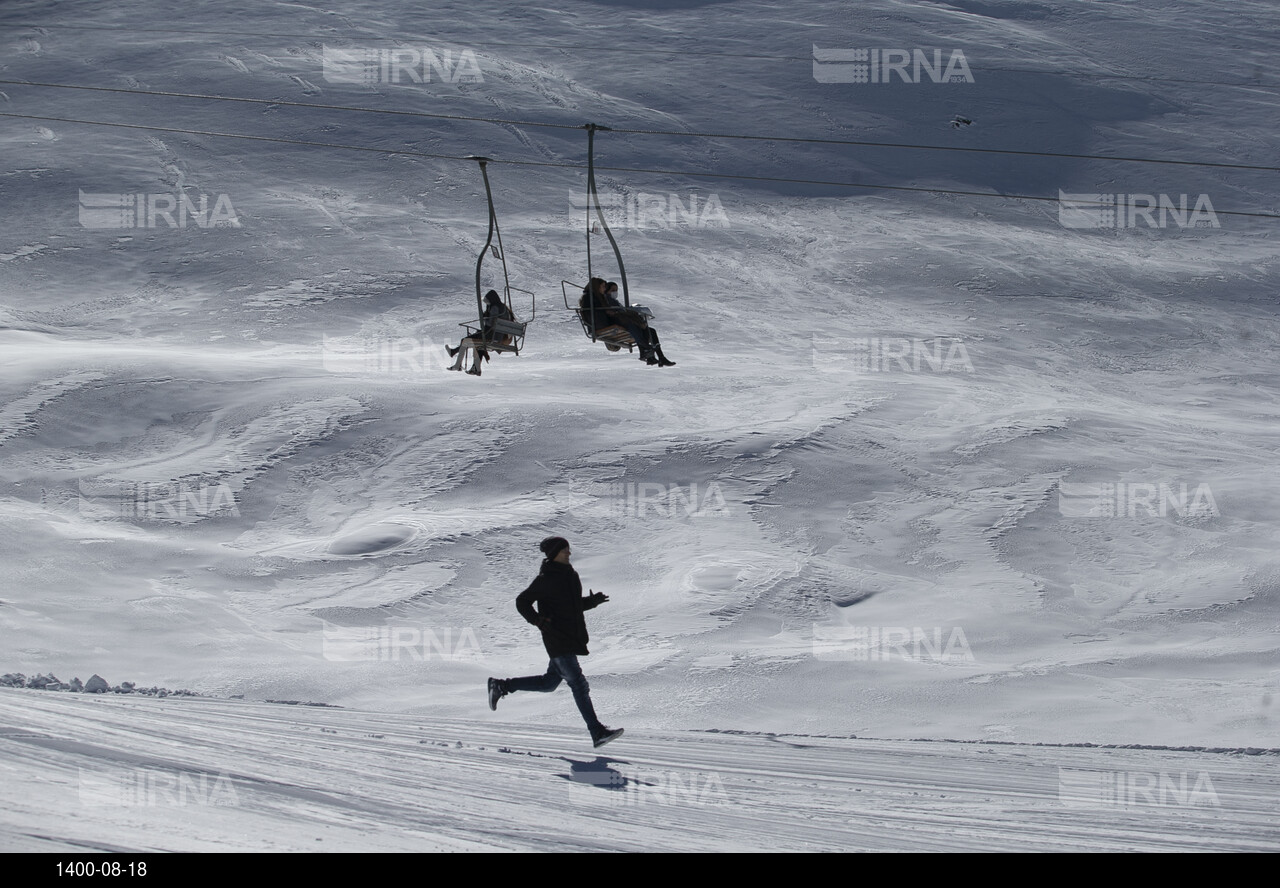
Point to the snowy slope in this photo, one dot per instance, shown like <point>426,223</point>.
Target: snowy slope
<point>197,775</point>
<point>337,502</point>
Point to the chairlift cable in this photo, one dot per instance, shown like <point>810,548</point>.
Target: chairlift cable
<point>872,186</point>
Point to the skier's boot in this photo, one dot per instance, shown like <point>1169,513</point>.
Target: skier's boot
<point>496,693</point>
<point>604,735</point>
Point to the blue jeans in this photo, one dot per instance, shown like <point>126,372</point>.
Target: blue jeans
<point>560,669</point>
<point>639,334</point>
<point>634,325</point>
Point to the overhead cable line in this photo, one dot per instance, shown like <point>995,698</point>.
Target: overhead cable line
<point>546,163</point>
<point>644,132</point>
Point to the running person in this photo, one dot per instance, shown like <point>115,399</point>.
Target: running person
<point>554,603</point>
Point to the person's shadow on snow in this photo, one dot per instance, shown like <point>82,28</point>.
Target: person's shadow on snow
<point>596,773</point>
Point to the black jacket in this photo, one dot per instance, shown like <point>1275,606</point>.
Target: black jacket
<point>608,311</point>
<point>595,309</point>
<point>494,312</point>
<point>557,592</point>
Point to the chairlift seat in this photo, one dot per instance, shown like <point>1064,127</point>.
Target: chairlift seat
<point>614,336</point>
<point>508,336</point>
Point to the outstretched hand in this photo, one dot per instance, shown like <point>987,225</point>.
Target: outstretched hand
<point>598,597</point>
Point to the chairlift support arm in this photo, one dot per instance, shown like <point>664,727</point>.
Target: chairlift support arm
<point>594,201</point>
<point>494,231</point>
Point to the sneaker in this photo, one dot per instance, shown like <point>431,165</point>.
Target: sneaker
<point>604,735</point>
<point>496,693</point>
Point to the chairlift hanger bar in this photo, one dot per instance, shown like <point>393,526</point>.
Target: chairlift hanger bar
<point>594,199</point>
<point>493,231</point>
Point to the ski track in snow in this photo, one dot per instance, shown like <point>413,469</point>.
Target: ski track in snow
<point>296,779</point>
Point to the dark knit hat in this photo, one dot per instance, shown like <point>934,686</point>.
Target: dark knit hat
<point>551,546</point>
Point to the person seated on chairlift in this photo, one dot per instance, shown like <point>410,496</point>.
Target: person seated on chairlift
<point>494,310</point>
<point>605,312</point>
<point>609,311</point>
<point>655,346</point>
